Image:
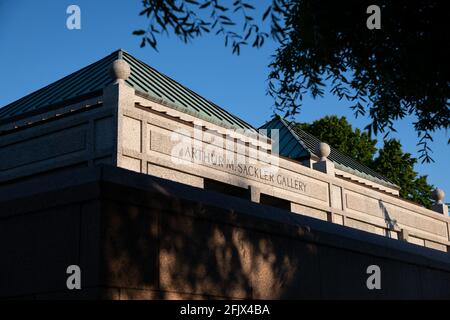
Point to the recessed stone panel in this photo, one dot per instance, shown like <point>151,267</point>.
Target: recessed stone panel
<point>363,204</point>
<point>308,211</point>
<point>104,133</point>
<point>414,220</point>
<point>364,226</point>
<point>131,163</point>
<point>338,219</point>
<point>45,147</point>
<point>131,134</point>
<point>435,245</point>
<point>174,175</point>
<point>185,152</point>
<point>415,240</point>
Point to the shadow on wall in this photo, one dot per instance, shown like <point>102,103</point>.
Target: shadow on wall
<point>160,245</point>
<point>391,223</point>
<point>170,249</point>
<point>142,238</point>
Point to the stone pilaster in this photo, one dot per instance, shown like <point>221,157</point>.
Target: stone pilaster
<point>255,193</point>
<point>119,96</point>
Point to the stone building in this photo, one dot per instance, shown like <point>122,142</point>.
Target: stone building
<point>61,149</point>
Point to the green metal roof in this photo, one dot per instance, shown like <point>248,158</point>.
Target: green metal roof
<point>144,79</point>
<point>295,143</point>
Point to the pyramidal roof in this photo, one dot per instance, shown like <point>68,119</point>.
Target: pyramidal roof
<point>90,81</point>
<point>296,143</point>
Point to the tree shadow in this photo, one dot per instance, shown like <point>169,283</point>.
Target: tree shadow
<point>391,223</point>
<point>164,246</point>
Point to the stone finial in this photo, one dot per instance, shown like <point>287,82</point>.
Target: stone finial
<point>120,70</point>
<point>324,151</point>
<point>438,196</point>
<point>439,205</point>
<point>324,164</point>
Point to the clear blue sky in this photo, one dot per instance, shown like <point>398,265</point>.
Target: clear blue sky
<point>38,49</point>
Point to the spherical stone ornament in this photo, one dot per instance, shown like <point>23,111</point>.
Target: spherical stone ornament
<point>120,70</point>
<point>438,195</point>
<point>324,151</point>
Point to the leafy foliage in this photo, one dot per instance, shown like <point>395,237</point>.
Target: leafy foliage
<point>398,71</point>
<point>188,19</point>
<point>391,73</point>
<point>391,161</point>
<point>398,166</point>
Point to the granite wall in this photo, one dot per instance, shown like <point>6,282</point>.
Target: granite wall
<point>135,236</point>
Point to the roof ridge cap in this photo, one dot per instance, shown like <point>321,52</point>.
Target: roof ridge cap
<point>289,126</point>
<point>372,172</point>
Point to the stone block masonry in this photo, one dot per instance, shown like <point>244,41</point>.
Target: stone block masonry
<point>139,237</point>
